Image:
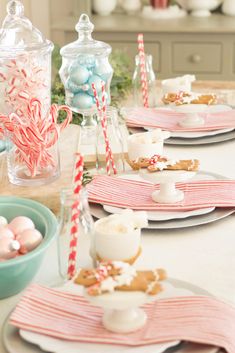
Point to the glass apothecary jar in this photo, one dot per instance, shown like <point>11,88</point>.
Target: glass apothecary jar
<point>84,62</point>
<point>25,63</point>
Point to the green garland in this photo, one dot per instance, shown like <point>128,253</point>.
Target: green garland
<point>119,88</point>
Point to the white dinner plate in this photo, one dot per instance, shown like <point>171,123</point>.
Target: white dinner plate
<point>194,134</point>
<point>37,343</point>
<point>164,215</point>
<point>195,141</point>
<point>216,214</point>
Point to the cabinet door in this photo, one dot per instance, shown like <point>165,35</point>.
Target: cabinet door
<point>197,57</point>
<point>131,49</point>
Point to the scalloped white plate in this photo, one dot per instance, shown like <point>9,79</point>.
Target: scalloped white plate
<point>31,342</point>
<point>164,215</point>
<point>14,343</point>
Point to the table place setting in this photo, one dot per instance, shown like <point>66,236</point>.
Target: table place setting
<point>92,276</point>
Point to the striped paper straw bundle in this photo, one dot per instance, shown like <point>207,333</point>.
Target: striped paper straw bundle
<point>75,216</point>
<point>102,111</point>
<point>143,76</point>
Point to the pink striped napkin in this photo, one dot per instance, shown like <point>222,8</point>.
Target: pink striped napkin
<point>169,120</point>
<point>136,195</point>
<point>198,319</point>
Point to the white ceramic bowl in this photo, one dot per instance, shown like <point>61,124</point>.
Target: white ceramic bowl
<point>200,8</point>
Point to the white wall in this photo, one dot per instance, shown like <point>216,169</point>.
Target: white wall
<point>38,12</point>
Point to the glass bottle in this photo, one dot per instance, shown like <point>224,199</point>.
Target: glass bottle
<point>86,225</point>
<point>116,141</point>
<point>25,63</point>
<point>88,134</point>
<point>151,79</point>
<point>84,62</point>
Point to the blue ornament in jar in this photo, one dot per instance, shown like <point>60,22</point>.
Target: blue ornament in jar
<point>78,74</point>
<point>84,62</point>
<point>82,100</point>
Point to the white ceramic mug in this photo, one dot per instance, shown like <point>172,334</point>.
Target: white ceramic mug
<point>143,150</point>
<point>116,246</point>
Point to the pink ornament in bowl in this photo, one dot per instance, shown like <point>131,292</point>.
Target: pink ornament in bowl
<point>29,239</point>
<point>19,224</point>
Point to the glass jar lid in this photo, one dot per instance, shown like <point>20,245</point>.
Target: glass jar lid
<point>85,44</point>
<point>18,33</point>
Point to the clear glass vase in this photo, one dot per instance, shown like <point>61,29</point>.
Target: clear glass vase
<point>88,133</point>
<point>151,81</point>
<point>31,168</point>
<point>86,225</point>
<point>116,142</point>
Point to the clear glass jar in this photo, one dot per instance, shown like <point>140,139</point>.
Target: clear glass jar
<point>116,141</point>
<point>28,168</point>
<point>151,79</point>
<point>85,61</point>
<point>67,199</point>
<point>25,63</point>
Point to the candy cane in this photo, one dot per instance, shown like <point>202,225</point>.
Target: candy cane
<point>75,216</point>
<point>34,135</point>
<point>143,76</point>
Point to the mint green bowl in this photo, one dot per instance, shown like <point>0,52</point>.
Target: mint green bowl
<point>15,274</point>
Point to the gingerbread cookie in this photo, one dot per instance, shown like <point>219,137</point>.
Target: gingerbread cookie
<point>189,98</point>
<point>159,163</point>
<point>120,276</point>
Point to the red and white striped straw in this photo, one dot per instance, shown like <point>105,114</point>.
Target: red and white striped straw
<point>104,108</point>
<point>75,216</point>
<point>143,76</point>
<point>103,118</point>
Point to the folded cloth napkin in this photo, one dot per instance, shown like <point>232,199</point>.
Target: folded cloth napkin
<point>197,319</point>
<point>136,195</point>
<point>169,120</point>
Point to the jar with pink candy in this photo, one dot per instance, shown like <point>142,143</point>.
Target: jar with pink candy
<point>25,63</point>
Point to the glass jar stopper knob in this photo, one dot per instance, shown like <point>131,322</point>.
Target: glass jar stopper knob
<point>15,8</point>
<point>84,24</point>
